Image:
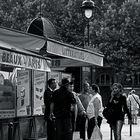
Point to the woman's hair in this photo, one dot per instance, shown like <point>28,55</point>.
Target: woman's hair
<point>96,88</point>
<point>118,85</point>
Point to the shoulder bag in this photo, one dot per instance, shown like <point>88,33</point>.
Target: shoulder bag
<point>108,113</point>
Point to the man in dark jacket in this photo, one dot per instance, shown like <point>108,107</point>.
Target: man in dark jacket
<point>47,101</point>
<point>61,108</point>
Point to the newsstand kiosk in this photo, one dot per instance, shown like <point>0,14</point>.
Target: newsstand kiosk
<point>23,77</point>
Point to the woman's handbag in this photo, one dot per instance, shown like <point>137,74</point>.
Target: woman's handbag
<point>108,113</point>
<point>96,134</point>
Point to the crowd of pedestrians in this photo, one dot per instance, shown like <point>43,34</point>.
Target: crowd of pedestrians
<point>64,107</point>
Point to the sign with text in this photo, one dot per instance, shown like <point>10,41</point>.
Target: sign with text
<point>23,93</point>
<point>74,53</point>
<point>25,61</point>
<point>39,88</point>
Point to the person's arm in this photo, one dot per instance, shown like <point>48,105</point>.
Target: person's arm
<point>52,107</point>
<point>52,117</point>
<point>128,102</point>
<point>80,107</point>
<point>126,109</point>
<point>112,96</point>
<point>97,106</point>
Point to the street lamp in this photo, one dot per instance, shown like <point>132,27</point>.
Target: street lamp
<point>88,6</point>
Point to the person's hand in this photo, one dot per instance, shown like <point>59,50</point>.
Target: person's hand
<point>72,108</point>
<point>84,114</point>
<point>52,117</point>
<point>112,94</point>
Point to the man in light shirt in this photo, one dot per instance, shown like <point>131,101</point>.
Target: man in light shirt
<point>77,109</point>
<point>133,104</point>
<point>84,97</point>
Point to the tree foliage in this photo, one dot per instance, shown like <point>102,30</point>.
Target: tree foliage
<point>120,36</point>
<point>114,27</point>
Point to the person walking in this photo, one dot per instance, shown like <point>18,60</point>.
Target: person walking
<point>60,108</point>
<point>133,104</point>
<point>94,110</point>
<point>77,109</point>
<point>84,97</point>
<point>117,102</point>
<point>47,101</point>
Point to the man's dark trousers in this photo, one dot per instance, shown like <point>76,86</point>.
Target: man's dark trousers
<point>64,129</point>
<point>82,127</point>
<point>50,130</point>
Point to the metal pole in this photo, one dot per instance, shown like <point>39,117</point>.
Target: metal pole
<point>88,33</point>
<point>10,131</point>
<point>130,122</point>
<point>111,134</point>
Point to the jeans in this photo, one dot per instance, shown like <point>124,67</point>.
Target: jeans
<point>117,128</point>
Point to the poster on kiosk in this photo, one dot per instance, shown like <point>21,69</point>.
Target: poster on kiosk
<point>23,93</point>
<point>39,84</point>
<point>7,96</point>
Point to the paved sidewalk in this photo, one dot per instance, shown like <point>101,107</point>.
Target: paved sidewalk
<point>105,129</point>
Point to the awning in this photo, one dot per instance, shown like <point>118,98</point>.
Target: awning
<point>21,40</point>
<point>73,56</point>
<point>68,55</point>
<point>13,56</point>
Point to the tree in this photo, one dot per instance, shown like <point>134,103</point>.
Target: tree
<point>115,30</point>
<point>66,15</point>
<point>120,35</point>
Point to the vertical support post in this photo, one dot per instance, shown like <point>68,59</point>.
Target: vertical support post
<point>88,33</point>
<point>130,122</point>
<point>111,134</point>
<point>1,131</point>
<point>10,131</point>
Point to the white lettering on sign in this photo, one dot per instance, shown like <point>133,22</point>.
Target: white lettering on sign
<point>21,60</point>
<point>73,53</point>
<point>16,59</point>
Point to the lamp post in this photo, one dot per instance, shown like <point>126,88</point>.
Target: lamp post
<point>88,6</point>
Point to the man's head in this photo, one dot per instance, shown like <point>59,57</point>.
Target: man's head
<point>65,82</point>
<point>71,87</point>
<point>86,86</point>
<point>52,83</point>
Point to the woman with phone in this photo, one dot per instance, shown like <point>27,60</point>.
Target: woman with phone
<point>118,103</point>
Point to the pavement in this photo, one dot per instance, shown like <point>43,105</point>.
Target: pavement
<point>134,134</point>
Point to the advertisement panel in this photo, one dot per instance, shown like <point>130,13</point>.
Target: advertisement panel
<point>7,97</point>
<point>23,93</point>
<point>39,88</point>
